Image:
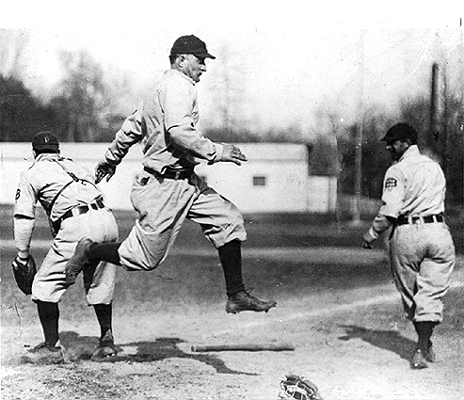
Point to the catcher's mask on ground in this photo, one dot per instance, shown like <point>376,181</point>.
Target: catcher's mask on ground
<point>298,388</point>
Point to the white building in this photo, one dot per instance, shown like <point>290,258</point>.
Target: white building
<point>274,179</point>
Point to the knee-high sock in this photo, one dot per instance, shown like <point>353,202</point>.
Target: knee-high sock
<point>104,313</point>
<point>48,316</point>
<point>424,331</point>
<point>105,252</point>
<point>230,256</point>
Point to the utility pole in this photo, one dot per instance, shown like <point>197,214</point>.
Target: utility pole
<point>356,213</point>
<point>434,106</point>
<point>445,147</point>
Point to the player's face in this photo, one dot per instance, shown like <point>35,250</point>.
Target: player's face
<point>397,149</point>
<point>193,66</point>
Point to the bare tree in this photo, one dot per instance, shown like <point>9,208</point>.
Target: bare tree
<point>13,44</point>
<point>84,94</point>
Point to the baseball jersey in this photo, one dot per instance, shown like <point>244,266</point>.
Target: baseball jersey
<point>45,179</point>
<point>414,186</point>
<point>167,127</point>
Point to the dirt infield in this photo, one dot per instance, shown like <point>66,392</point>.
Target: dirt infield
<point>354,344</point>
<point>337,307</point>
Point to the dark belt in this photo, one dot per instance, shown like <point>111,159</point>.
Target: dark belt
<point>425,220</point>
<point>171,173</point>
<point>78,210</point>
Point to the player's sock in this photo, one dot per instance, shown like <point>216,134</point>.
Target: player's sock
<point>424,331</point>
<point>104,313</point>
<point>48,316</point>
<point>230,256</point>
<point>105,252</point>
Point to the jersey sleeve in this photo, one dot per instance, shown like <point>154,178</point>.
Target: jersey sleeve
<point>393,193</point>
<point>25,199</point>
<point>178,100</point>
<point>129,134</point>
<point>24,214</point>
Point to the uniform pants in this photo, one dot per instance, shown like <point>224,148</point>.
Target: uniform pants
<point>422,261</point>
<point>162,206</point>
<point>50,282</point>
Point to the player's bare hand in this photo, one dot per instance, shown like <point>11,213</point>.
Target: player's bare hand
<point>104,169</point>
<point>233,154</point>
<point>367,240</point>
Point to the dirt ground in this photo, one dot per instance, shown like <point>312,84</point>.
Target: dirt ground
<point>337,310</point>
<point>352,345</point>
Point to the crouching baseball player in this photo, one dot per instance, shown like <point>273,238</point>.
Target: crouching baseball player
<point>422,254</point>
<point>75,209</point>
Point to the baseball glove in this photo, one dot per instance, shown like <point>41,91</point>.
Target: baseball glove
<point>24,270</point>
<point>298,388</point>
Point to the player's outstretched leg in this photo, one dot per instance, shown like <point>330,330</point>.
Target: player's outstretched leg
<point>80,260</point>
<point>87,256</point>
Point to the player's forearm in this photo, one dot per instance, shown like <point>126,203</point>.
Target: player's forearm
<point>23,227</point>
<point>380,224</point>
<point>129,134</point>
<point>189,139</point>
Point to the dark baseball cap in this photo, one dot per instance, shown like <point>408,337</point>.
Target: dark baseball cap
<point>190,45</point>
<point>400,131</point>
<point>45,141</point>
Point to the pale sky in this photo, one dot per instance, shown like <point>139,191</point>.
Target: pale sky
<point>286,60</point>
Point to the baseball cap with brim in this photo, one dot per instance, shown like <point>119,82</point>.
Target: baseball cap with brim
<point>45,141</point>
<point>190,45</point>
<point>400,131</point>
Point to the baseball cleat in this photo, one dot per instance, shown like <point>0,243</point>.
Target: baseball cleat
<point>79,261</point>
<point>106,350</point>
<point>44,354</point>
<point>243,301</point>
<point>418,360</point>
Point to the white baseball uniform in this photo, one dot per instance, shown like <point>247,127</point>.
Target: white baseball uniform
<point>167,191</point>
<point>64,189</point>
<point>422,252</point>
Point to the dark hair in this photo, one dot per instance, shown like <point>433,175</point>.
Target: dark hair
<point>172,58</point>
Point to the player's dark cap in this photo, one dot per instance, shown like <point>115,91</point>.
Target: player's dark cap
<point>45,141</point>
<point>190,45</point>
<point>400,131</point>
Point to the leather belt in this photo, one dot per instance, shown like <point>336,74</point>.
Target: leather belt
<point>425,220</point>
<point>171,173</point>
<point>97,204</point>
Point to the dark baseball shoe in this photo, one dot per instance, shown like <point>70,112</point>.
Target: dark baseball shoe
<point>418,360</point>
<point>44,354</point>
<point>79,261</point>
<point>106,350</point>
<point>243,301</point>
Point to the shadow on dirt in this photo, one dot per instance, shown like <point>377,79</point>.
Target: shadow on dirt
<point>82,347</point>
<point>388,340</point>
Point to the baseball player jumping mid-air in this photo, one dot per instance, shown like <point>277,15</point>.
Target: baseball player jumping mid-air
<point>422,254</point>
<point>75,209</point>
<point>168,190</point>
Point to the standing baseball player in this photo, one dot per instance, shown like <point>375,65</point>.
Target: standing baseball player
<point>422,254</point>
<point>168,190</point>
<point>75,209</point>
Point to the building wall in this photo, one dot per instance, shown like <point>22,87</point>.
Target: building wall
<point>274,179</point>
